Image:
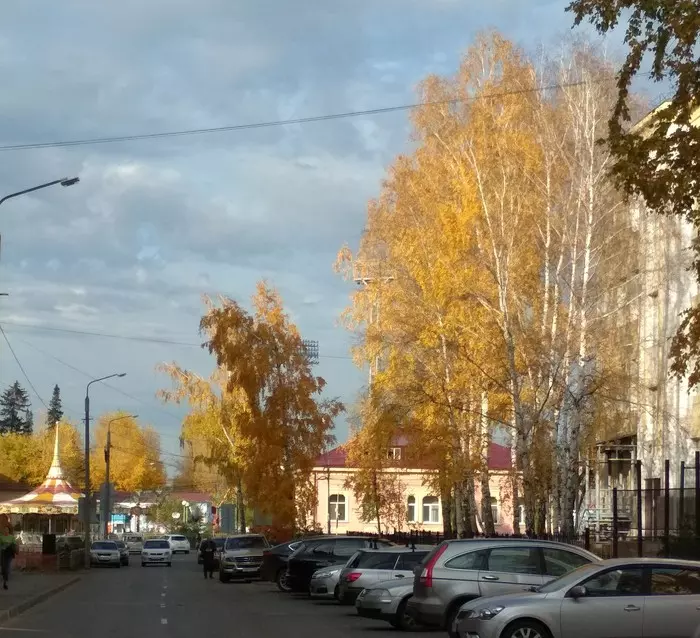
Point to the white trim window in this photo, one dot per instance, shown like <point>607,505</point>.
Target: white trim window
<point>495,510</point>
<point>411,509</point>
<point>431,509</point>
<point>394,453</point>
<point>337,506</point>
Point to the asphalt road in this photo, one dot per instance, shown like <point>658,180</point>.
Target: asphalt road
<point>177,602</point>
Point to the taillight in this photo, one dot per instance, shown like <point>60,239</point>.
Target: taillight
<point>426,577</point>
<point>266,552</point>
<point>353,576</point>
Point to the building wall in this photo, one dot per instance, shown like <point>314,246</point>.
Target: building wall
<point>333,483</point>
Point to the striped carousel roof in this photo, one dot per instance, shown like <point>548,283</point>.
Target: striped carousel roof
<point>54,496</point>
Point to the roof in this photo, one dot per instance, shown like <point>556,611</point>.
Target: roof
<point>191,497</point>
<point>499,456</point>
<point>54,496</point>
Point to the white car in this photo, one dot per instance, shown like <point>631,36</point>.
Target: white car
<point>179,543</point>
<point>105,553</point>
<point>134,542</point>
<point>156,551</point>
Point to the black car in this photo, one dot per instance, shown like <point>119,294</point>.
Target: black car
<point>274,565</point>
<point>313,554</point>
<point>219,542</point>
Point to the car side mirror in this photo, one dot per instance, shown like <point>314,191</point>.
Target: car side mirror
<point>577,592</point>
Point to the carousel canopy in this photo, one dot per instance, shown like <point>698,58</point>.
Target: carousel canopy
<point>54,496</point>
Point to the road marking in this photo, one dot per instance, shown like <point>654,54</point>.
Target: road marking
<point>163,621</point>
<point>38,631</point>
<point>163,595</point>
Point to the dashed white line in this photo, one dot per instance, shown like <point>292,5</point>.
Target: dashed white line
<point>163,621</point>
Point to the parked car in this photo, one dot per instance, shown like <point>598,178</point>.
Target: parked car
<point>387,601</point>
<point>242,557</point>
<point>274,565</point>
<point>324,582</point>
<point>320,552</point>
<point>156,551</point>
<point>134,542</point>
<point>369,566</point>
<point>105,553</point>
<point>178,543</point>
<point>636,597</point>
<point>123,552</point>
<point>219,542</point>
<point>458,571</point>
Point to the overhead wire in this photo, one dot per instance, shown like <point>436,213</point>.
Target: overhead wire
<point>21,367</point>
<point>297,120</point>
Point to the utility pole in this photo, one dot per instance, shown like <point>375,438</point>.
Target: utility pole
<point>108,487</point>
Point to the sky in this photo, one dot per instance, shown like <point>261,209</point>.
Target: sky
<point>154,224</point>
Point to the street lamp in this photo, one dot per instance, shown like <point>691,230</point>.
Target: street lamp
<point>64,181</point>
<point>86,513</point>
<point>108,494</point>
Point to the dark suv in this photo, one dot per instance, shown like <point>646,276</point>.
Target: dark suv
<point>314,554</point>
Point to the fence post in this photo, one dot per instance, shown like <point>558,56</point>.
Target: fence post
<point>667,507</point>
<point>697,494</point>
<point>615,525</point>
<point>681,502</point>
<point>640,531</point>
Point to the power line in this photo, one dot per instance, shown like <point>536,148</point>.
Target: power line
<point>298,120</point>
<point>21,367</point>
<point>138,338</point>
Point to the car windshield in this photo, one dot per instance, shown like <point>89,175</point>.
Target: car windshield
<point>156,545</point>
<point>120,544</point>
<point>178,538</point>
<point>569,579</point>
<point>104,545</point>
<point>219,542</point>
<point>246,542</point>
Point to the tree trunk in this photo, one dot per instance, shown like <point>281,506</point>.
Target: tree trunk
<point>447,511</point>
<point>489,528</point>
<point>240,506</point>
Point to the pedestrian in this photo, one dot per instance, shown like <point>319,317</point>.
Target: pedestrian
<point>8,549</point>
<point>208,548</point>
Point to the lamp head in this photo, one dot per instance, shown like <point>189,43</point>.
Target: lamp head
<point>69,181</point>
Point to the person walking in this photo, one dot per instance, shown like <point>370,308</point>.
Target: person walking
<point>208,548</point>
<point>8,549</point>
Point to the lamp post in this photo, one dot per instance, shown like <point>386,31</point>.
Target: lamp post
<point>86,513</point>
<point>108,491</point>
<point>64,181</point>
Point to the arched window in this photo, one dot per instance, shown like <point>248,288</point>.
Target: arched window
<point>411,509</point>
<point>336,507</point>
<point>431,509</point>
<point>494,510</point>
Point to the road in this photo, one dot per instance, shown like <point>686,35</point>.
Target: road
<point>177,602</point>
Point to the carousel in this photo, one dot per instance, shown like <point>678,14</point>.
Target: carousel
<point>50,508</point>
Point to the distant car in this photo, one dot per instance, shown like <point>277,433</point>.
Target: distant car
<point>242,557</point>
<point>219,542</point>
<point>105,553</point>
<point>274,565</point>
<point>324,582</point>
<point>179,543</point>
<point>123,552</point>
<point>156,552</point>
<point>134,542</point>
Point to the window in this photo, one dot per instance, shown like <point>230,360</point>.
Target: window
<point>376,560</point>
<point>472,560</point>
<point>615,582</point>
<point>246,542</point>
<point>675,581</point>
<point>322,549</point>
<point>494,509</point>
<point>514,560</point>
<point>409,560</point>
<point>336,507</point>
<point>411,509</point>
<point>431,509</point>
<point>394,453</point>
<point>346,547</point>
<point>558,562</point>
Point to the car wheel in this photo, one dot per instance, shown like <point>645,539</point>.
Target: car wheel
<point>170,564</point>
<point>224,578</point>
<point>526,629</point>
<point>187,552</point>
<point>336,592</point>
<point>143,564</point>
<point>402,620</point>
<point>119,565</point>
<point>281,580</point>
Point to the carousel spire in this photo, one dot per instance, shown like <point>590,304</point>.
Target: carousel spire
<point>55,471</point>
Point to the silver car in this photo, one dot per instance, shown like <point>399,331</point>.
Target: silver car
<point>458,571</point>
<point>633,598</point>
<point>387,601</point>
<point>324,582</point>
<point>369,566</point>
<point>242,557</point>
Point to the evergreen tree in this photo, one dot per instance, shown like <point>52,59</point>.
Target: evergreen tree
<point>15,410</point>
<point>55,413</point>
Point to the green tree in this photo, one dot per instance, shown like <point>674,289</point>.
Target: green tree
<point>15,411</point>
<point>55,413</point>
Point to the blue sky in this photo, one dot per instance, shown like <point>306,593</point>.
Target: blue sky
<point>154,224</point>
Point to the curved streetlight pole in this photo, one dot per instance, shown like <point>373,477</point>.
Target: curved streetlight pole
<point>86,512</point>
<point>64,181</point>
<point>108,490</point>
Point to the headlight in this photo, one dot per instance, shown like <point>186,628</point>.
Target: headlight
<point>486,613</point>
<point>229,559</point>
<point>327,574</point>
<point>377,593</point>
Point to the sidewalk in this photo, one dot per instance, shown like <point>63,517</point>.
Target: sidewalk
<point>29,589</point>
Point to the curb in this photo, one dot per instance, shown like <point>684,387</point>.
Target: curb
<point>15,611</point>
